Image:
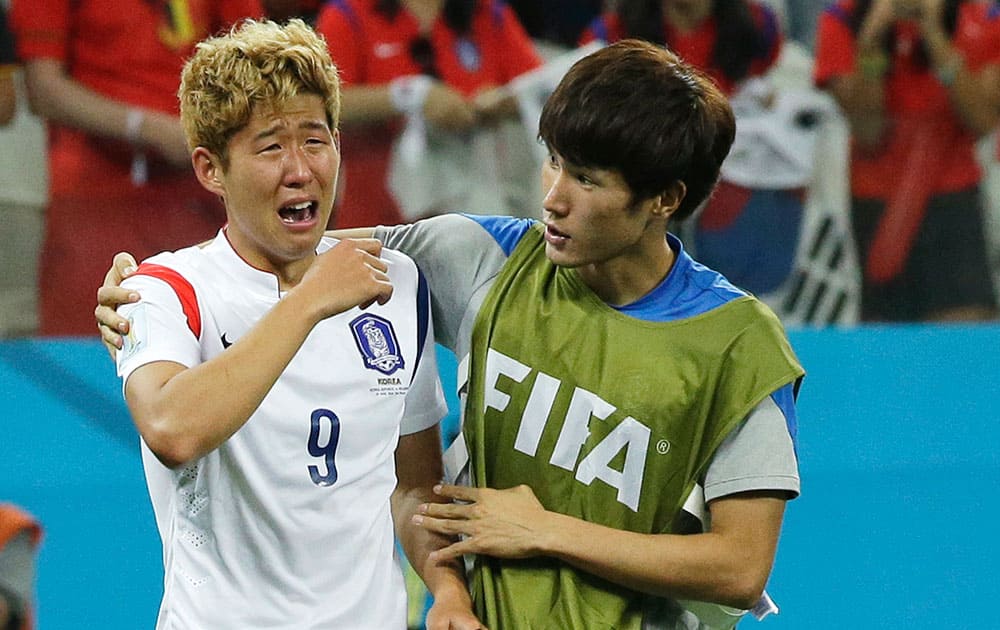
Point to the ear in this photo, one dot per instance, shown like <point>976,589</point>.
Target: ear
<point>667,202</point>
<point>208,170</point>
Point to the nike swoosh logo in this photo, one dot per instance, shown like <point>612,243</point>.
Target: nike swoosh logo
<point>225,342</point>
<point>384,50</point>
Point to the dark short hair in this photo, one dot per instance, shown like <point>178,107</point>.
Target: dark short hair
<point>637,108</point>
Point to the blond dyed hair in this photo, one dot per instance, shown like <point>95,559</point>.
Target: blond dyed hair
<point>259,63</point>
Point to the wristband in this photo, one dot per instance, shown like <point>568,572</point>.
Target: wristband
<point>133,125</point>
<point>409,93</point>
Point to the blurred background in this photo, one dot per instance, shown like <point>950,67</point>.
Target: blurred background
<point>889,302</point>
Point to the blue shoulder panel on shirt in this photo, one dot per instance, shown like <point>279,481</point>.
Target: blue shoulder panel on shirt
<point>689,289</point>
<point>785,399</point>
<point>506,231</point>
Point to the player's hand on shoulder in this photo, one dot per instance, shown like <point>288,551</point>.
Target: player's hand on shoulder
<point>110,296</point>
<point>350,274</point>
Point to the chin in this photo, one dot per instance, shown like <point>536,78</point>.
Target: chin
<point>561,258</point>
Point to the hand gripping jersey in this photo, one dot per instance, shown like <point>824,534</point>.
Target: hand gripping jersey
<point>616,430</point>
<point>287,524</point>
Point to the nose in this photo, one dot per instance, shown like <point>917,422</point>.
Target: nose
<point>556,200</point>
<point>297,169</point>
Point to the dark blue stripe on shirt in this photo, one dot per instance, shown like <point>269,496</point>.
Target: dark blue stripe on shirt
<point>423,317</point>
<point>785,399</point>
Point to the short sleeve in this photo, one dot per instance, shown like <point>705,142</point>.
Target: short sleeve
<point>425,401</point>
<point>457,256</point>
<point>41,28</point>
<point>758,454</point>
<point>158,328</point>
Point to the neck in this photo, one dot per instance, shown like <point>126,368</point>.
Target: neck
<point>288,271</point>
<point>627,278</point>
<point>290,274</point>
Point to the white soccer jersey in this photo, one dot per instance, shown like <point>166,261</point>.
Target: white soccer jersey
<point>287,524</point>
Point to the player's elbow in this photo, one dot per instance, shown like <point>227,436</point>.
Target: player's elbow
<point>743,588</point>
<point>171,448</point>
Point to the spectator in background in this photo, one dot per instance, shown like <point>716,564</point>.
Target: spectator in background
<point>556,22</point>
<point>8,98</point>
<point>281,10</point>
<point>438,62</point>
<point>104,73</point>
<point>747,232</point>
<point>23,185</point>
<point>730,40</point>
<point>19,538</point>
<point>918,81</point>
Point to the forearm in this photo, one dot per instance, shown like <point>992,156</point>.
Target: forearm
<point>195,410</point>
<point>57,97</point>
<point>442,578</point>
<point>971,93</point>
<point>418,469</point>
<point>366,232</point>
<point>728,565</point>
<point>366,104</point>
<point>861,96</point>
<point>8,97</point>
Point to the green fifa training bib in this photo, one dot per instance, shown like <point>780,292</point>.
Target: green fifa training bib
<point>606,417</point>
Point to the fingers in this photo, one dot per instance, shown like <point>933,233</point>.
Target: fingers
<point>445,510</point>
<point>382,293</point>
<point>109,323</point>
<point>371,245</point>
<point>111,339</point>
<point>114,296</point>
<point>451,552</point>
<point>122,266</point>
<point>371,250</point>
<point>461,493</point>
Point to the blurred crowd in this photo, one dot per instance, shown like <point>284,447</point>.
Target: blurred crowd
<point>862,186</point>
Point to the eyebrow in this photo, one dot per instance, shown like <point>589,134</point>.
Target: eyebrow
<point>307,124</point>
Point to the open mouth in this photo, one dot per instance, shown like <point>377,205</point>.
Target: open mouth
<point>554,236</point>
<point>303,212</point>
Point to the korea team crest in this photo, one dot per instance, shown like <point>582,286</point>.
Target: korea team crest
<point>377,342</point>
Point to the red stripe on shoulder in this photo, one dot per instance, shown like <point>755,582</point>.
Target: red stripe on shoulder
<point>183,289</point>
